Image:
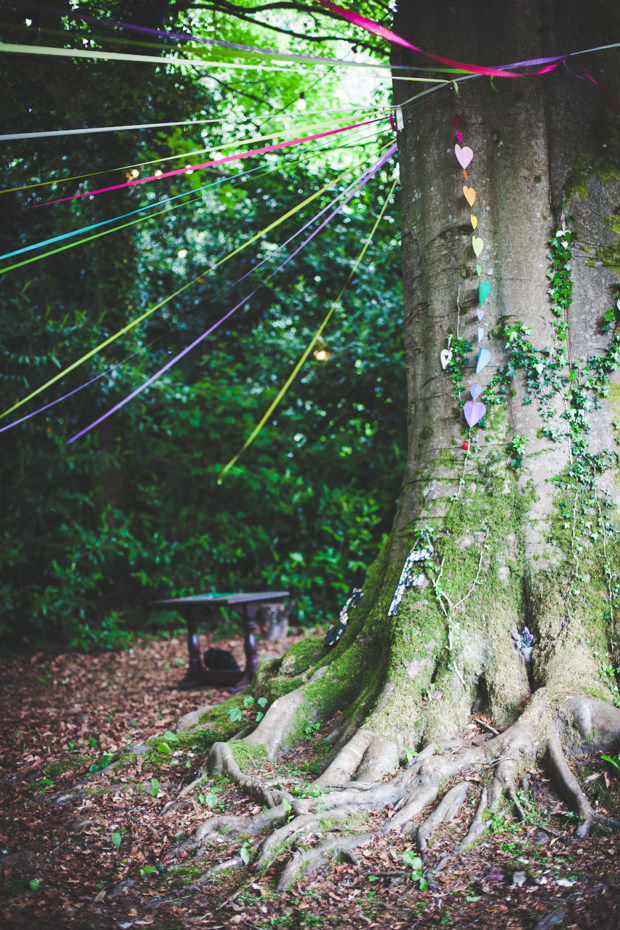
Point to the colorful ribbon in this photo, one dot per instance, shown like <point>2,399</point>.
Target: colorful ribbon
<point>159,161</point>
<point>191,122</point>
<point>169,60</point>
<point>76,232</point>
<point>312,343</point>
<point>218,43</point>
<point>269,257</point>
<point>147,313</point>
<point>218,161</point>
<point>76,132</point>
<point>377,29</point>
<point>365,177</point>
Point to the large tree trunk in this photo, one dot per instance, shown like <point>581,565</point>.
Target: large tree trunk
<point>518,538</point>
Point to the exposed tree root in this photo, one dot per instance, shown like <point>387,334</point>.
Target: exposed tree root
<point>310,830</point>
<point>569,788</point>
<point>447,809</point>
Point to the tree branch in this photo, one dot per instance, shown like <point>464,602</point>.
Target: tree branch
<point>242,13</point>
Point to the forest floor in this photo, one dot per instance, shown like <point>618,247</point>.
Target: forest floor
<point>104,856</point>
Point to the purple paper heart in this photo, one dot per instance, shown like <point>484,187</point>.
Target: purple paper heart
<point>475,390</point>
<point>480,313</point>
<point>474,411</point>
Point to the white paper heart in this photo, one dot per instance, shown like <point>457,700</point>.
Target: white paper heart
<point>475,390</point>
<point>446,357</point>
<point>480,313</point>
<point>464,155</point>
<point>484,357</point>
<point>480,334</point>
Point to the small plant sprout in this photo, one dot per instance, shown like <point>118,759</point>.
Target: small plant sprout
<point>411,754</point>
<point>235,714</point>
<point>248,701</point>
<point>116,839</point>
<point>262,703</point>
<point>244,854</point>
<point>154,789</point>
<point>516,448</point>
<point>614,762</point>
<point>417,874</point>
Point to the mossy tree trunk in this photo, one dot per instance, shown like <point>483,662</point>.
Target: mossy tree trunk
<point>521,527</point>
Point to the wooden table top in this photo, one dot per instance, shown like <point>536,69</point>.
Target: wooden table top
<point>243,598</point>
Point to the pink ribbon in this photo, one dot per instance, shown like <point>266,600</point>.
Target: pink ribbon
<point>594,81</point>
<point>207,164</point>
<point>371,26</point>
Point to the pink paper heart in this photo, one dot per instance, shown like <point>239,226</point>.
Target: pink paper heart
<point>474,411</point>
<point>459,135</point>
<point>463,155</point>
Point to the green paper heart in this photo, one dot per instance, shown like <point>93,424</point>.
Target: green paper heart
<point>478,270</point>
<point>477,244</point>
<point>484,291</point>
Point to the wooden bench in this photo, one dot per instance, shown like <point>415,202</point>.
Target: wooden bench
<point>190,608</point>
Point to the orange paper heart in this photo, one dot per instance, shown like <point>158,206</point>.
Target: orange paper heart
<point>470,195</point>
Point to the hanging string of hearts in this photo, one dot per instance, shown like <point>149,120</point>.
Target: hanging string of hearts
<point>474,409</point>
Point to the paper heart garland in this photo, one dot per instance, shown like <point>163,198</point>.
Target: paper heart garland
<point>477,245</point>
<point>474,221</point>
<point>463,155</point>
<point>474,411</point>
<point>480,334</point>
<point>475,390</point>
<point>470,195</point>
<point>480,313</point>
<point>446,357</point>
<point>484,291</point>
<point>484,357</point>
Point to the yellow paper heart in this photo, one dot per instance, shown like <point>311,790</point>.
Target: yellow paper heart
<point>477,245</point>
<point>474,221</point>
<point>470,195</point>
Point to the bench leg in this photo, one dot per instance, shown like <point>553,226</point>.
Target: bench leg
<point>248,612</point>
<point>195,675</point>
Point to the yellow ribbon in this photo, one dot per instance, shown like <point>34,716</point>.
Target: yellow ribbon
<point>139,319</point>
<point>316,336</point>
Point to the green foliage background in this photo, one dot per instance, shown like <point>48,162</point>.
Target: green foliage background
<point>94,530</point>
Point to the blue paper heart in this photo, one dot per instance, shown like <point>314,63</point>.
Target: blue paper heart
<point>480,334</point>
<point>475,390</point>
<point>484,357</point>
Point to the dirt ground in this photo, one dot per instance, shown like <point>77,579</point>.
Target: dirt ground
<point>106,855</point>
